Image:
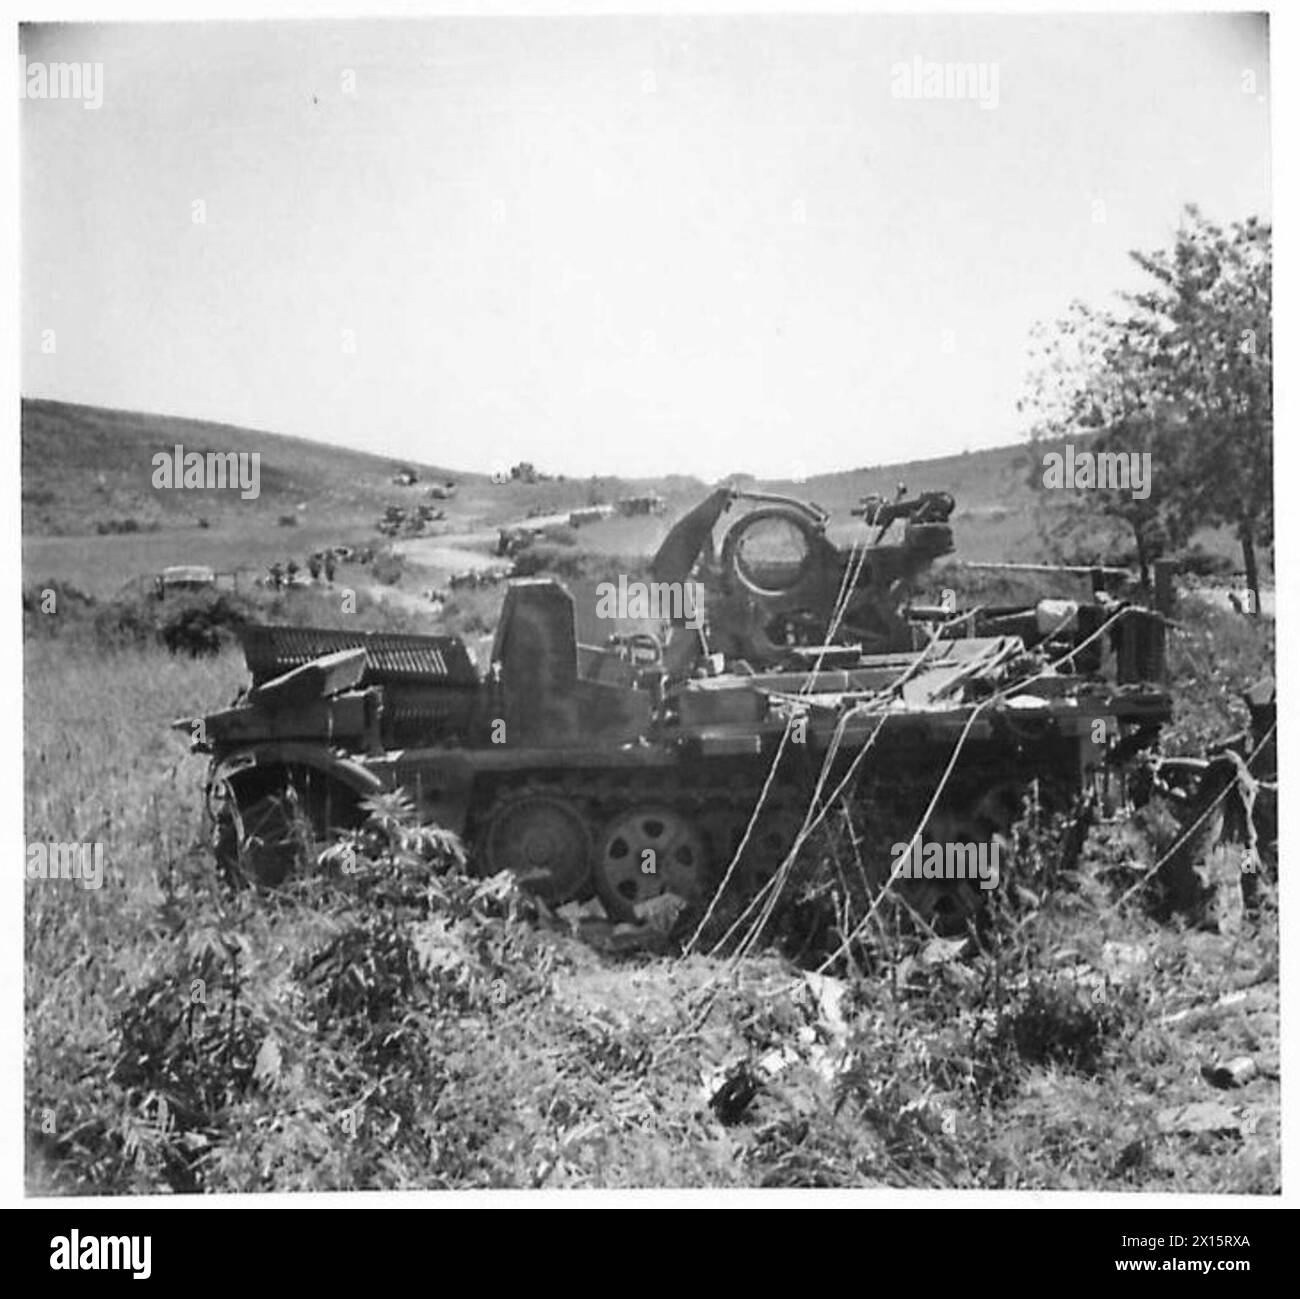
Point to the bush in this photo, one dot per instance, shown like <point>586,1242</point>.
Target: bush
<point>53,608</point>
<point>196,624</point>
<point>307,1040</point>
<point>114,527</point>
<point>575,564</point>
<point>561,534</point>
<point>1196,561</point>
<point>1214,655</point>
<point>1053,1021</point>
<point>387,567</point>
<point>199,627</point>
<point>530,562</point>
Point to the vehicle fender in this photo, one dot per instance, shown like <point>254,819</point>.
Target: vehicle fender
<point>237,767</point>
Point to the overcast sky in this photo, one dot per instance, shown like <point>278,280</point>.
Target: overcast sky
<point>632,246</point>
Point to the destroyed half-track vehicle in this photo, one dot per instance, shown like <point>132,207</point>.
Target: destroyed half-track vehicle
<point>646,766</point>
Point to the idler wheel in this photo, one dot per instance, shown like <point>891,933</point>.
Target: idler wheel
<point>646,852</point>
<point>261,842</point>
<point>949,906</point>
<point>946,906</point>
<point>543,841</point>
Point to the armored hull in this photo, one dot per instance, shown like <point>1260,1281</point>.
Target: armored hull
<point>595,769</point>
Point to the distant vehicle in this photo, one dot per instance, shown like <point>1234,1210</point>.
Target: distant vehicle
<point>442,493</point>
<point>186,577</point>
<point>473,578</point>
<point>406,478</point>
<point>651,503</point>
<point>510,541</point>
<point>590,514</point>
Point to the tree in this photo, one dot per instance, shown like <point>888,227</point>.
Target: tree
<point>1184,373</point>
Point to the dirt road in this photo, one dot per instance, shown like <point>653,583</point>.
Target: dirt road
<point>453,552</point>
<point>1221,598</point>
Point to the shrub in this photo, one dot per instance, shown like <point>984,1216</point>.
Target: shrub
<point>201,626</point>
<point>113,527</point>
<point>1054,1021</point>
<point>561,534</point>
<point>387,567</point>
<point>1196,561</point>
<point>301,1040</point>
<point>54,608</point>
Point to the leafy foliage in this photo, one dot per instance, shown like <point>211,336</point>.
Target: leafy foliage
<point>1184,373</point>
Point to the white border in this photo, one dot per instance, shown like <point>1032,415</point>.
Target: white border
<point>1283,39</point>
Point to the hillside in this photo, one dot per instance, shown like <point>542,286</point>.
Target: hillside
<point>88,471</point>
<point>81,464</point>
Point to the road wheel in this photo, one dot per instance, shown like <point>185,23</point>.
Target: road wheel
<point>266,829</point>
<point>946,906</point>
<point>950,906</point>
<point>646,852</point>
<point>263,841</point>
<point>770,843</point>
<point>541,839</point>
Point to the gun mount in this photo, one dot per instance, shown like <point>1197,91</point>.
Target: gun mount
<point>775,585</point>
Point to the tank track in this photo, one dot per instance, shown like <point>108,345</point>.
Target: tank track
<point>885,808</point>
<point>719,808</point>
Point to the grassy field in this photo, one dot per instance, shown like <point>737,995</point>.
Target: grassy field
<point>411,1026</point>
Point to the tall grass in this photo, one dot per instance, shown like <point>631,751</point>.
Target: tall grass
<point>101,766</point>
<point>406,1026</point>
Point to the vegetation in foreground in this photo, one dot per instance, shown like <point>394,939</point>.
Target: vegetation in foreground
<point>392,1022</point>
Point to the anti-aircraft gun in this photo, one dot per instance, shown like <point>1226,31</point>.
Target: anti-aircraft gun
<point>775,586</point>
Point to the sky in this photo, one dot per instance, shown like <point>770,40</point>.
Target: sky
<point>613,245</point>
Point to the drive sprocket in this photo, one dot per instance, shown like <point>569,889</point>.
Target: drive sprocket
<point>543,840</point>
